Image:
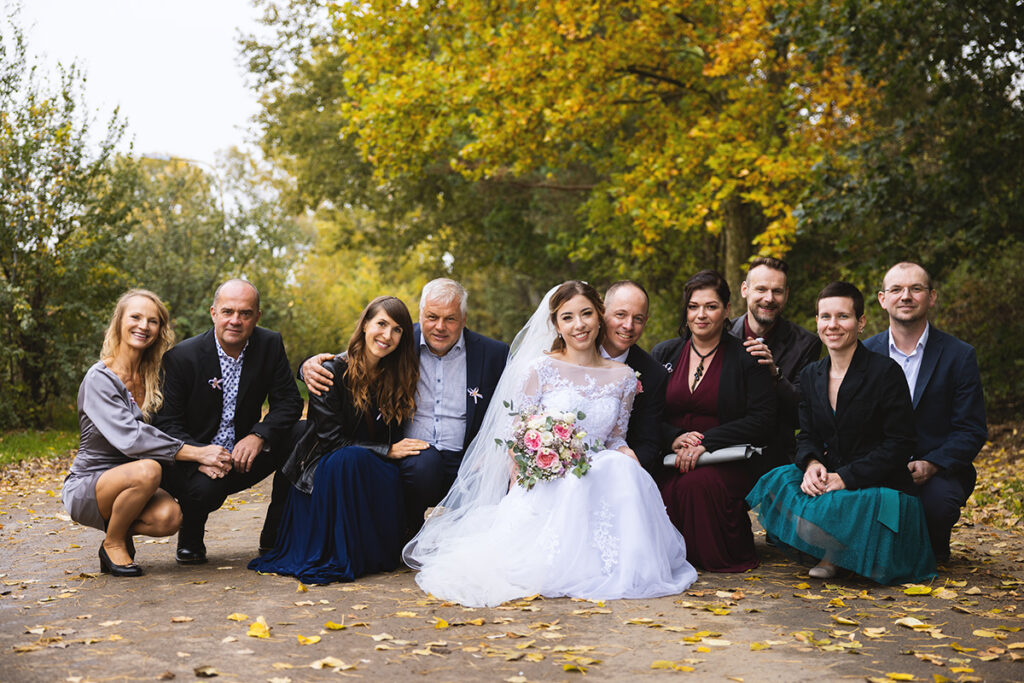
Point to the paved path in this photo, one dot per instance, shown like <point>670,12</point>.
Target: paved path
<point>61,620</point>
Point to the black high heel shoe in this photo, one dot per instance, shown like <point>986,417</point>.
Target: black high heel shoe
<point>130,544</point>
<point>108,567</point>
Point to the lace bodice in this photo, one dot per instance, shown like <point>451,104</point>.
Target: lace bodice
<point>605,395</point>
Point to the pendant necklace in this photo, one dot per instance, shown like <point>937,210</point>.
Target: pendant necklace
<point>700,366</point>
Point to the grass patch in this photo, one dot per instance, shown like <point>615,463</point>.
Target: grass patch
<point>26,444</point>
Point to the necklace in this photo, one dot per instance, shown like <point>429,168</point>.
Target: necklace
<point>700,366</point>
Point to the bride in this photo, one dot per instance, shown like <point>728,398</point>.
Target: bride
<point>601,536</point>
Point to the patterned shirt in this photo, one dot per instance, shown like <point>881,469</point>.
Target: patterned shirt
<point>440,417</point>
<point>231,373</point>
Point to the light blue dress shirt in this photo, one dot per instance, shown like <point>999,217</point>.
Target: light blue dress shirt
<point>911,363</point>
<point>440,417</point>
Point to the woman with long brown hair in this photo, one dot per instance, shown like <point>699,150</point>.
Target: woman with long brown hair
<point>344,517</point>
<point>114,482</point>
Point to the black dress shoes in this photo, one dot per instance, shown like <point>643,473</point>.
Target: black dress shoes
<point>191,555</point>
<point>108,567</point>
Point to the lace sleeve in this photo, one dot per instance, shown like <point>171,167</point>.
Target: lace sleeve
<point>626,393</point>
<point>528,389</point>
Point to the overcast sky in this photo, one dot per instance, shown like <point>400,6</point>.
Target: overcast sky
<point>171,65</point>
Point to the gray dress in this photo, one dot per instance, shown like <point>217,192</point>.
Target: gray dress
<point>112,433</point>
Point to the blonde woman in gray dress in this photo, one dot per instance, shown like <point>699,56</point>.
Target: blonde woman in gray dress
<point>114,483</point>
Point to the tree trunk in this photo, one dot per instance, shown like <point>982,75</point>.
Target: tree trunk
<point>740,226</point>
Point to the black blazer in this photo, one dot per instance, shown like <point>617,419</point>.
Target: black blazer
<point>869,439</point>
<point>333,422</point>
<point>193,404</point>
<point>485,361</point>
<point>949,405</point>
<point>793,348</point>
<point>746,401</point>
<point>644,434</point>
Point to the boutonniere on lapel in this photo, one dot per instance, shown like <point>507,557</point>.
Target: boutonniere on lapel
<point>216,383</point>
<point>475,394</point>
<point>639,384</point>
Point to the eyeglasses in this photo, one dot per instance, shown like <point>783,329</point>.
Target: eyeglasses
<point>916,290</point>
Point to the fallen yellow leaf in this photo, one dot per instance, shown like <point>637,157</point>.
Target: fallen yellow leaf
<point>311,640</point>
<point>331,626</point>
<point>440,623</point>
<point>259,628</point>
<point>843,620</point>
<point>759,646</point>
<point>899,677</point>
<point>301,588</point>
<point>237,616</point>
<point>917,589</point>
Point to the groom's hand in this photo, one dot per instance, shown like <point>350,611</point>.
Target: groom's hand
<point>317,380</point>
<point>245,452</point>
<point>406,447</point>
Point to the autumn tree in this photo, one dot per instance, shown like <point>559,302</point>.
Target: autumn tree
<point>64,211</point>
<point>689,130</point>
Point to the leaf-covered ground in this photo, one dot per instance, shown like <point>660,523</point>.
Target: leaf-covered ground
<point>61,620</point>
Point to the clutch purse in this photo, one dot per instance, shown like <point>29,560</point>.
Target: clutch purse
<point>742,451</point>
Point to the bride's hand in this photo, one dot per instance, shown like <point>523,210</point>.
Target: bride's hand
<point>626,450</point>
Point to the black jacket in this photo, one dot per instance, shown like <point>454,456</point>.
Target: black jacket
<point>194,402</point>
<point>333,422</point>
<point>870,438</point>
<point>746,401</point>
<point>644,434</point>
<point>793,348</point>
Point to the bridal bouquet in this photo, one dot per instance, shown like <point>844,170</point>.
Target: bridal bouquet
<point>547,444</point>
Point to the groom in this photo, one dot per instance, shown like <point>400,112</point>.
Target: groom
<point>459,370</point>
<point>625,315</point>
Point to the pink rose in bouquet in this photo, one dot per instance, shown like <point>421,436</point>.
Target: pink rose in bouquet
<point>532,439</point>
<point>548,459</point>
<point>563,432</point>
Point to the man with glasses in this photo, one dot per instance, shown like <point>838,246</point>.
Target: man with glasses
<point>949,406</point>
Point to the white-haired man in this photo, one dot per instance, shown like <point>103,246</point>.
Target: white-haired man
<point>459,370</point>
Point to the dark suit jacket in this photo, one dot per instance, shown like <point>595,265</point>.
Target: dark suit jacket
<point>192,406</point>
<point>793,348</point>
<point>949,405</point>
<point>333,422</point>
<point>746,402</point>
<point>485,361</point>
<point>644,434</point>
<point>870,437</point>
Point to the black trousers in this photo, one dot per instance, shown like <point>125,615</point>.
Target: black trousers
<point>426,478</point>
<point>199,495</point>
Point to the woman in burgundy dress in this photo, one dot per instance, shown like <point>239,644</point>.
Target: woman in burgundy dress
<point>717,396</point>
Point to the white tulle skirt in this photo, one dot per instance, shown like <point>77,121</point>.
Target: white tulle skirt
<point>600,537</point>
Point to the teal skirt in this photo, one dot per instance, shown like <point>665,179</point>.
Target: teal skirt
<point>879,533</point>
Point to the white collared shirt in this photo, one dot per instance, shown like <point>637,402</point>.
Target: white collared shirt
<point>619,359</point>
<point>440,417</point>
<point>911,363</point>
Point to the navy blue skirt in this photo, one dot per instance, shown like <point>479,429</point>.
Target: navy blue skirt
<point>352,524</point>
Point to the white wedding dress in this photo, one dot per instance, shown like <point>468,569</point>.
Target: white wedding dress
<point>602,536</point>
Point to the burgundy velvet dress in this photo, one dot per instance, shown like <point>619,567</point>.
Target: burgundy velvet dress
<point>707,503</point>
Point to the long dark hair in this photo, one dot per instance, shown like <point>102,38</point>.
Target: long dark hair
<point>705,279</point>
<point>393,382</point>
<point>568,290</point>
